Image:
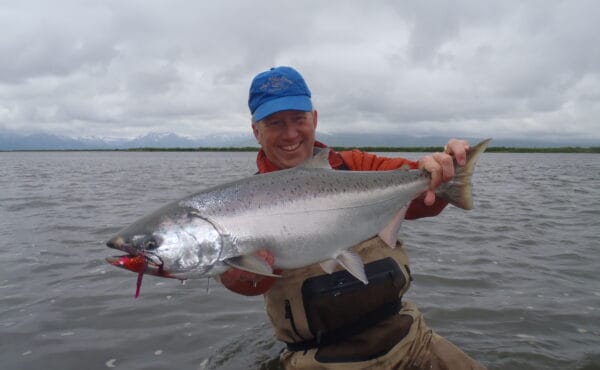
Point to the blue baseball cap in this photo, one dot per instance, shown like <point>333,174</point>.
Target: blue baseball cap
<point>280,88</point>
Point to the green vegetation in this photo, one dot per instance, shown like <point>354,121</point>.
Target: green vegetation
<point>423,149</point>
<point>203,149</point>
<point>493,149</point>
<point>564,149</point>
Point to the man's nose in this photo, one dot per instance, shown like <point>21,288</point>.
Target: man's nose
<point>290,129</point>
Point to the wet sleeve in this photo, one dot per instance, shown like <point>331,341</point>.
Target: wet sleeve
<point>362,161</point>
<point>248,283</point>
<point>418,209</point>
<point>245,283</point>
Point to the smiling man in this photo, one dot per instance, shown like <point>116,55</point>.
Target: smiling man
<point>287,137</point>
<point>331,321</point>
<point>283,119</point>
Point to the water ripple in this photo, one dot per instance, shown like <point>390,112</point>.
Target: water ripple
<point>512,282</point>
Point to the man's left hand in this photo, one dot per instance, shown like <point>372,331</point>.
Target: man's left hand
<point>441,165</point>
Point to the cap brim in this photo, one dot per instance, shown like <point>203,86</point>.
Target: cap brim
<point>298,102</point>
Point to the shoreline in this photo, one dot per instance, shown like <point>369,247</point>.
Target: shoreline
<point>497,149</point>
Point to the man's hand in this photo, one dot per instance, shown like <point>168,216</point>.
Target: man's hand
<point>248,283</point>
<point>441,165</point>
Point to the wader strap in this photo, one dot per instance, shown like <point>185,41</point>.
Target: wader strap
<point>348,331</point>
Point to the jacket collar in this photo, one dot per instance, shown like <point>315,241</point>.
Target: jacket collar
<point>264,165</point>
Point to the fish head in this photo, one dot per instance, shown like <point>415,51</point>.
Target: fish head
<point>181,246</point>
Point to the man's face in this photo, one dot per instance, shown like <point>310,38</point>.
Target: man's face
<point>287,137</point>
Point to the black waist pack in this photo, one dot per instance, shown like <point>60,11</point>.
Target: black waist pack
<point>338,306</point>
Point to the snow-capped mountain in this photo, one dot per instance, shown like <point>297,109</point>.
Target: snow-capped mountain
<point>45,141</point>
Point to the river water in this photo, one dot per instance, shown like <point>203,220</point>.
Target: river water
<point>513,282</point>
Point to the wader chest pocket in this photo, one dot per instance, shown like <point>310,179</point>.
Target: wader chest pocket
<point>339,305</point>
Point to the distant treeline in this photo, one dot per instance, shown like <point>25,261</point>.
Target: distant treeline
<point>423,149</point>
<point>201,149</point>
<point>564,149</point>
<point>494,149</point>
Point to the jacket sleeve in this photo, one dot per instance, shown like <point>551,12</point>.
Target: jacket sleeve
<point>362,161</point>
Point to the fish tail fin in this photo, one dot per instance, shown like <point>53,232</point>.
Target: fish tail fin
<point>458,191</point>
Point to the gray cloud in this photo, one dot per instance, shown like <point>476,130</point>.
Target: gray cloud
<point>115,68</point>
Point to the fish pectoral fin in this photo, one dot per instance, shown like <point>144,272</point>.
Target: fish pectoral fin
<point>353,264</point>
<point>329,266</point>
<point>251,264</point>
<point>389,234</point>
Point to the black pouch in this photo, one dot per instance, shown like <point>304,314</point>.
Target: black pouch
<point>338,306</point>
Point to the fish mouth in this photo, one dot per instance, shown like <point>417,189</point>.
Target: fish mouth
<point>141,262</point>
<point>136,260</point>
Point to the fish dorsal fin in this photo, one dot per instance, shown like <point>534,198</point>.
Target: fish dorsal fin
<point>389,234</point>
<point>353,264</point>
<point>251,264</point>
<point>319,160</point>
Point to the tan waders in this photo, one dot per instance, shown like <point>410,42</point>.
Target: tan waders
<point>335,322</point>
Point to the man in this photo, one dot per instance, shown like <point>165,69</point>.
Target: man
<point>331,321</point>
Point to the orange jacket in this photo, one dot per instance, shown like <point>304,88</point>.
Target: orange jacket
<point>246,283</point>
<point>356,160</point>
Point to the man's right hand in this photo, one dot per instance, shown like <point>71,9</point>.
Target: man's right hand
<point>248,283</point>
<point>441,165</point>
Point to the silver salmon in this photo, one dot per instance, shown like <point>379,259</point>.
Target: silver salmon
<point>302,215</point>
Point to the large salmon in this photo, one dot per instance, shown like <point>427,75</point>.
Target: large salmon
<point>301,215</point>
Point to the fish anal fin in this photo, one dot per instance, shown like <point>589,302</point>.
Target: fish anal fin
<point>389,234</point>
<point>251,264</point>
<point>329,266</point>
<point>353,264</point>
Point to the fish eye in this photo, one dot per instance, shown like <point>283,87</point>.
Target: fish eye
<point>151,243</point>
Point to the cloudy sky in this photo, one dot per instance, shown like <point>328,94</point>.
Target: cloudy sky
<point>116,68</point>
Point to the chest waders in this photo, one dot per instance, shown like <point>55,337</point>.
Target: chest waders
<point>311,309</point>
<point>335,322</point>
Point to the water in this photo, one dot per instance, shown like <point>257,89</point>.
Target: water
<point>513,283</point>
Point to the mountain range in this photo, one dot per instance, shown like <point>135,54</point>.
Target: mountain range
<point>45,141</point>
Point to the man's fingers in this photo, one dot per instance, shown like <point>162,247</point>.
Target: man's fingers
<point>429,164</point>
<point>441,165</point>
<point>458,149</point>
<point>429,198</point>
<point>446,166</point>
<point>461,158</point>
<point>441,168</point>
<point>436,176</point>
<point>265,255</point>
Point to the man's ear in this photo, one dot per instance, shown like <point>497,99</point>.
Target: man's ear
<point>314,114</point>
<point>255,130</point>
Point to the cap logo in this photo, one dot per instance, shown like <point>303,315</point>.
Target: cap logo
<point>275,84</point>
